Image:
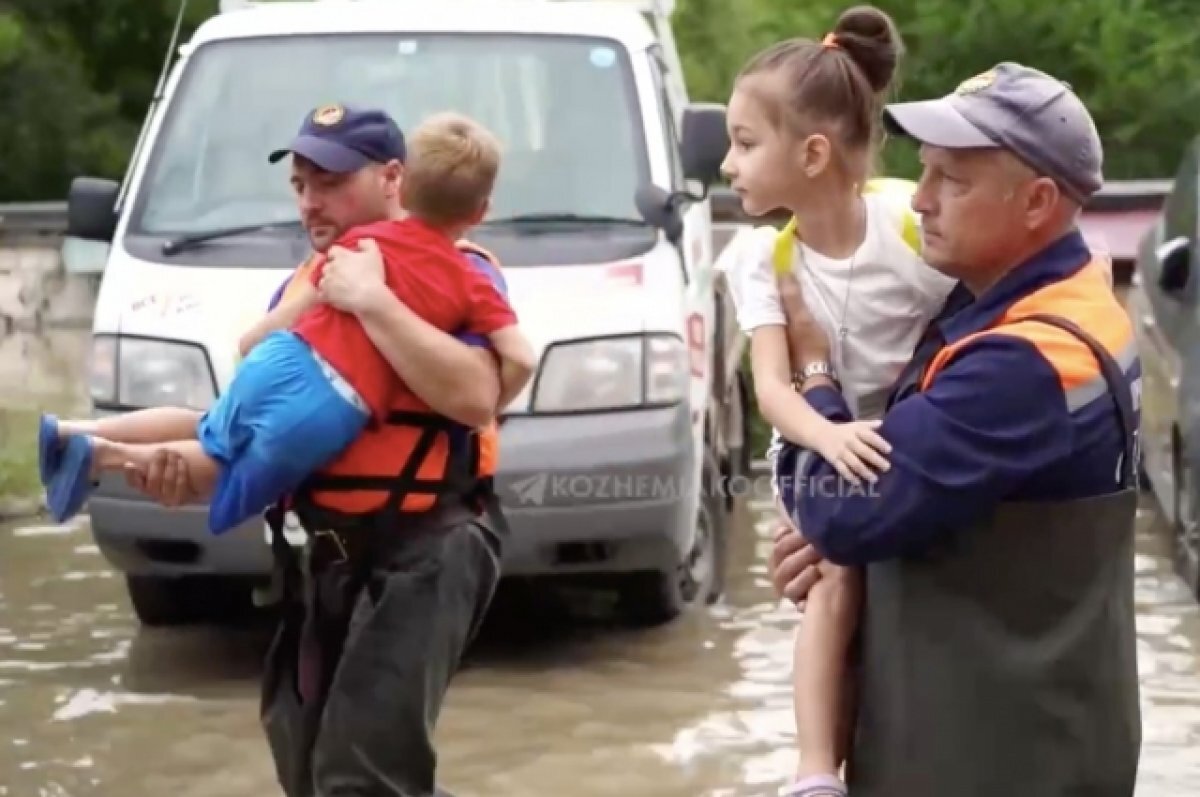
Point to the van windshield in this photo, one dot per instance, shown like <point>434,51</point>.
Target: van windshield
<point>565,109</point>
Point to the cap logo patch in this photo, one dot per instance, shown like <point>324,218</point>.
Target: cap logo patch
<point>328,115</point>
<point>977,83</point>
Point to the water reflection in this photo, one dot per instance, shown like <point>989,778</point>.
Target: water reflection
<point>555,699</point>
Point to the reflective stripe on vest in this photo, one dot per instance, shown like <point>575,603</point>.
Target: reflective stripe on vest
<point>1073,298</point>
<point>899,194</point>
<point>407,462</point>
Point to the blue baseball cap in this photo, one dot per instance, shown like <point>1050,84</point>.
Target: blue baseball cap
<point>1029,113</point>
<point>341,139</point>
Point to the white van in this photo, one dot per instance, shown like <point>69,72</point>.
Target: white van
<point>601,220</point>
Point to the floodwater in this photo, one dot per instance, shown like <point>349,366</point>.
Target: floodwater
<point>552,701</point>
<point>555,700</point>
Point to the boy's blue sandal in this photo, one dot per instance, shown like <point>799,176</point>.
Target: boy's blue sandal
<point>49,448</point>
<point>71,483</point>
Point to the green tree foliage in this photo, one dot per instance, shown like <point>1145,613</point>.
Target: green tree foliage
<point>54,124</point>
<point>76,76</point>
<point>1134,62</point>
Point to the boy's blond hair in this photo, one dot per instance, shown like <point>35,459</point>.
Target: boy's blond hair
<point>450,170</point>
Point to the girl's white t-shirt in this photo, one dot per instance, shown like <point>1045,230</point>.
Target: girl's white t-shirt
<point>883,296</point>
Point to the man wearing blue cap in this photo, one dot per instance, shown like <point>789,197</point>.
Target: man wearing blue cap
<point>346,169</point>
<point>997,649</point>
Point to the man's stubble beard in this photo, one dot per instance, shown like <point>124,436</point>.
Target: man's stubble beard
<point>322,247</point>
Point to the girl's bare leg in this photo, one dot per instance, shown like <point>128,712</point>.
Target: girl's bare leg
<point>202,469</point>
<point>821,684</point>
<point>156,425</point>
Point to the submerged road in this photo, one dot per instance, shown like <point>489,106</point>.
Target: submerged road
<point>556,700</point>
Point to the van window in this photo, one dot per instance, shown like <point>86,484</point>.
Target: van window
<point>565,109</point>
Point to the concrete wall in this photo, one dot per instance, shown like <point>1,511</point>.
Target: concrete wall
<point>45,325</point>
<point>36,291</point>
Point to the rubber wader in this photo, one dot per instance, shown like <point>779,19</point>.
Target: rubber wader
<point>376,613</point>
<point>1004,662</point>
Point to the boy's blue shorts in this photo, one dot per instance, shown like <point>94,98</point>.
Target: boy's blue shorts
<point>280,420</point>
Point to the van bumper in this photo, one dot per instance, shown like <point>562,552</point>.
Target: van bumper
<point>594,493</point>
<point>139,537</point>
<point>597,493</point>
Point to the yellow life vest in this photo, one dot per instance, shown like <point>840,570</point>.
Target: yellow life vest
<point>898,192</point>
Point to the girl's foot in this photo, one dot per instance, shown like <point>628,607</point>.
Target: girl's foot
<point>815,786</point>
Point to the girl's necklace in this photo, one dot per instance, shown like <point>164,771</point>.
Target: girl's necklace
<point>842,329</point>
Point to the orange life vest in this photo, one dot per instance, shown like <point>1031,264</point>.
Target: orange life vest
<point>301,275</point>
<point>407,462</point>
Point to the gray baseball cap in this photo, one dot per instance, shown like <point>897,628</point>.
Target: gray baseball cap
<point>1034,116</point>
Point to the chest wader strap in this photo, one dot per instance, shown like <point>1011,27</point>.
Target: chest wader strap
<point>1117,388</point>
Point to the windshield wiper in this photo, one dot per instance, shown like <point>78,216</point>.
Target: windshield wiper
<point>183,242</point>
<point>535,219</point>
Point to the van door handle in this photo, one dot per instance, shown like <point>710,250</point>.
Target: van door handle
<point>1148,321</point>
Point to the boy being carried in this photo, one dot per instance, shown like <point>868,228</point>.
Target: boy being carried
<point>305,393</point>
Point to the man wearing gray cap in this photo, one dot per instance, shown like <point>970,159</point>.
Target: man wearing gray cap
<point>997,641</point>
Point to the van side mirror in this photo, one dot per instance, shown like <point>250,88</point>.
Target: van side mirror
<point>91,208</point>
<point>705,142</point>
<point>1174,264</point>
<point>660,208</point>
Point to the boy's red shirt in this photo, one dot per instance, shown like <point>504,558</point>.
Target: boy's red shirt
<point>428,273</point>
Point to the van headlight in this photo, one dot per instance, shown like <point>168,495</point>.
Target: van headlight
<point>143,372</point>
<point>624,372</point>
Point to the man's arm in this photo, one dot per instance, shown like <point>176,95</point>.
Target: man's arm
<point>491,316</point>
<point>457,376</point>
<point>517,362</point>
<point>992,418</point>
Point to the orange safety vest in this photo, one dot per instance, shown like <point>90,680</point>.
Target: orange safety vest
<point>406,462</point>
<point>1085,298</point>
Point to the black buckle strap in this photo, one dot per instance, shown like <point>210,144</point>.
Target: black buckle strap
<point>406,482</point>
<point>340,546</point>
<point>420,420</point>
<point>344,535</point>
<point>402,485</point>
<point>285,573</point>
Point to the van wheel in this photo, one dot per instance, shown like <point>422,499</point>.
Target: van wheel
<point>649,599</point>
<point>161,601</point>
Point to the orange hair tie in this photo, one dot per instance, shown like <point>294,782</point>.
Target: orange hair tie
<point>830,41</point>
